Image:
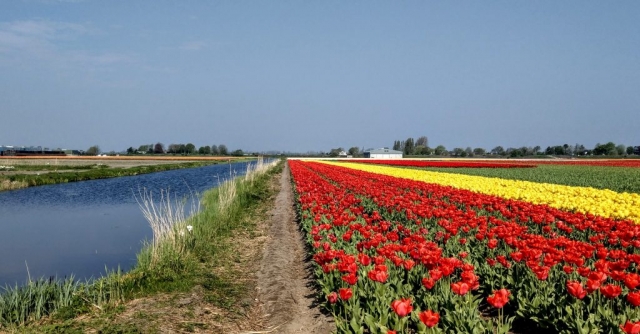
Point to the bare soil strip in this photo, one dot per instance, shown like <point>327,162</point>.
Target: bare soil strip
<point>285,283</point>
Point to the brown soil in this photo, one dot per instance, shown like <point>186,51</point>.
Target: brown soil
<point>285,291</point>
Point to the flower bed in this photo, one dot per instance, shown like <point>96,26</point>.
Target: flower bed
<point>600,202</point>
<point>397,254</point>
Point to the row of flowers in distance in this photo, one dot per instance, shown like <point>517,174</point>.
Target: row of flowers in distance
<point>600,202</point>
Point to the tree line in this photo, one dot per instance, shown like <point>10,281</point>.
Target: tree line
<point>421,147</point>
<point>182,149</point>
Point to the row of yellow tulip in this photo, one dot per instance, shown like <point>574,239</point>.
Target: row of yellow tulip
<point>604,203</point>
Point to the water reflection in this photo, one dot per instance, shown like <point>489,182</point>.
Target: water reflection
<point>83,227</point>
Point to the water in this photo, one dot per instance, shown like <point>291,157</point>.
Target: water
<point>81,228</point>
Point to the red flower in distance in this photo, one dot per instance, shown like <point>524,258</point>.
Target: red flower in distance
<point>631,327</point>
<point>345,293</point>
<point>429,318</point>
<point>575,289</point>
<point>499,298</point>
<point>402,307</point>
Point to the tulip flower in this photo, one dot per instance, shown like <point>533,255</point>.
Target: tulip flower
<point>402,307</point>
<point>345,293</point>
<point>429,318</point>
<point>631,327</point>
<point>332,297</point>
<point>575,289</point>
<point>499,298</point>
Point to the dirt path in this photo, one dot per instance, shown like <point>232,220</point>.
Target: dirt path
<point>285,292</point>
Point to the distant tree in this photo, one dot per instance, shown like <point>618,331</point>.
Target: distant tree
<point>629,150</point>
<point>498,150</point>
<point>458,151</point>
<point>526,150</point>
<point>190,148</point>
<point>422,141</point>
<point>143,148</point>
<point>131,150</point>
<point>237,153</point>
<point>222,149</point>
<point>214,150</point>
<point>568,149</point>
<point>579,149</point>
<point>354,151</point>
<point>420,150</point>
<point>605,149</point>
<point>548,150</point>
<point>621,149</point>
<point>204,150</point>
<point>478,151</point>
<point>173,148</point>
<point>468,152</point>
<point>158,148</point>
<point>93,150</point>
<point>514,152</point>
<point>335,151</point>
<point>397,146</point>
<point>409,146</point>
<point>536,150</point>
<point>636,150</point>
<point>558,150</point>
<point>441,150</point>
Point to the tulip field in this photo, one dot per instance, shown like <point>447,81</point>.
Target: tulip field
<point>405,250</point>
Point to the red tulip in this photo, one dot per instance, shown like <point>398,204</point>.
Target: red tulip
<point>631,327</point>
<point>499,298</point>
<point>632,280</point>
<point>634,298</point>
<point>460,288</point>
<point>575,289</point>
<point>351,278</point>
<point>611,291</point>
<point>428,283</point>
<point>402,307</point>
<point>429,318</point>
<point>345,293</point>
<point>378,276</point>
<point>332,297</point>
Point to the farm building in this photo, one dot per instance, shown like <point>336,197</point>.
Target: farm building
<point>383,153</point>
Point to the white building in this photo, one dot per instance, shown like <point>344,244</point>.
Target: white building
<point>383,153</point>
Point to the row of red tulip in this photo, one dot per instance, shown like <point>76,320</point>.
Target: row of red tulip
<point>445,163</point>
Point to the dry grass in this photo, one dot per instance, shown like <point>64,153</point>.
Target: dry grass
<point>11,185</point>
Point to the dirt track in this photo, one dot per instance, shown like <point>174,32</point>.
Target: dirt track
<point>285,292</point>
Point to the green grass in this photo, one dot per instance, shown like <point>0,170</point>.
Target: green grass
<point>169,269</point>
<point>614,178</point>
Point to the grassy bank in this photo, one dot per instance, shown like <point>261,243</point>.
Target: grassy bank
<point>185,253</point>
<point>62,174</point>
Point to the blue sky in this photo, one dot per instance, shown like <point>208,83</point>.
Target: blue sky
<point>313,75</point>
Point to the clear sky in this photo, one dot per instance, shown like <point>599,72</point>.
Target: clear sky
<point>315,75</point>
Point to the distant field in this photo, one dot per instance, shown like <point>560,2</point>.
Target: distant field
<point>120,161</point>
